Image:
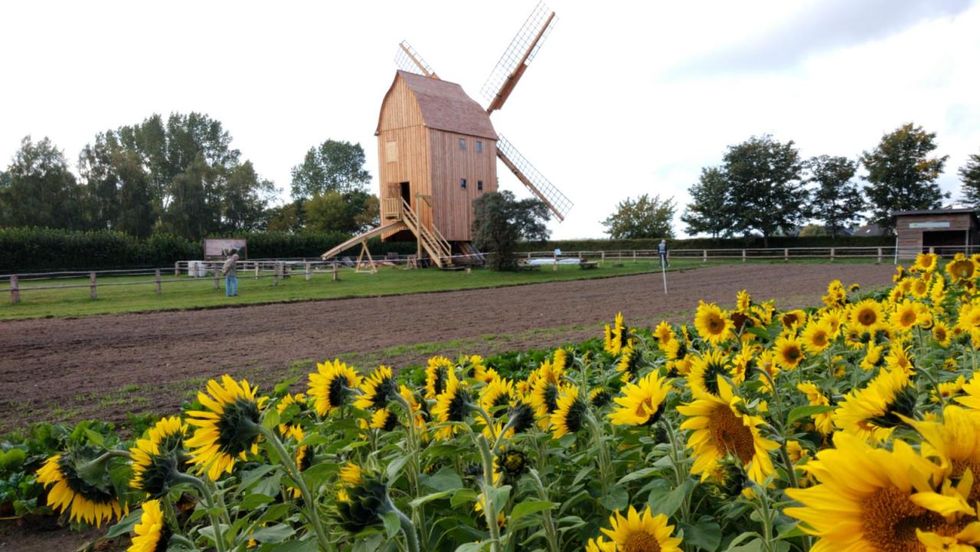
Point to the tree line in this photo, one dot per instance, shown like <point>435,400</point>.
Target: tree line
<point>763,187</point>
<point>180,175</point>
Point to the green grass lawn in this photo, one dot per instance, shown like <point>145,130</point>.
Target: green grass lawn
<point>192,293</point>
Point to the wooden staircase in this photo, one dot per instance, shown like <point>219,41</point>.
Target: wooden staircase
<point>429,238</point>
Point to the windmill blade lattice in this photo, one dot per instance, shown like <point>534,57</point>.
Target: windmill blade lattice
<point>539,185</point>
<point>518,56</point>
<point>407,59</point>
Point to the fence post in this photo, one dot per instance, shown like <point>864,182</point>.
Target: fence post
<point>157,278</point>
<point>278,272</point>
<point>177,268</point>
<point>603,257</point>
<point>308,275</point>
<point>256,270</point>
<point>743,255</point>
<point>879,255</point>
<point>704,255</point>
<point>932,250</point>
<point>14,290</point>
<point>786,254</point>
<point>91,285</point>
<point>831,254</point>
<point>634,255</point>
<point>334,271</point>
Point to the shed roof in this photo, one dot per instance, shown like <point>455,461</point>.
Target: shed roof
<point>445,106</point>
<point>927,212</point>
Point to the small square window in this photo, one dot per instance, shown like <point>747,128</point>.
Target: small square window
<point>479,146</point>
<point>479,183</point>
<point>462,144</point>
<point>462,183</point>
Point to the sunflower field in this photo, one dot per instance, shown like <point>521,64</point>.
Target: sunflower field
<point>854,426</point>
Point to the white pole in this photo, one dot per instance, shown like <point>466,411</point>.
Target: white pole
<point>663,271</point>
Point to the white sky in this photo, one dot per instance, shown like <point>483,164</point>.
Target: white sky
<point>624,98</point>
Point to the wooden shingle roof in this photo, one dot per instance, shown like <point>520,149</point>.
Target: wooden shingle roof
<point>445,106</point>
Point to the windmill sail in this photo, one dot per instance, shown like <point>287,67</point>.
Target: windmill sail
<point>518,56</point>
<point>407,59</point>
<point>539,185</point>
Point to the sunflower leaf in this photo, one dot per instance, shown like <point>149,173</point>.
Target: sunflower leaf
<point>806,411</point>
<point>125,525</point>
<point>529,507</point>
<point>391,523</point>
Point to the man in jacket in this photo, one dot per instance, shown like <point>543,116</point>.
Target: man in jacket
<point>230,272</point>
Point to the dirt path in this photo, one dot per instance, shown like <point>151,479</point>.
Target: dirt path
<point>109,365</point>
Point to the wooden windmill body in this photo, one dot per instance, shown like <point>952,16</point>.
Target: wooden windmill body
<point>437,151</point>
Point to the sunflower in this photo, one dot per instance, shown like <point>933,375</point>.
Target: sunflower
<point>823,421</point>
<point>476,368</point>
<point>544,393</point>
<point>941,334</point>
<point>938,292</point>
<point>836,295</point>
<point>872,356</point>
<point>817,336</point>
<point>69,492</point>
<point>949,389</point>
<point>156,458</point>
<point>383,419</point>
<point>788,352</point>
<point>972,390</point>
<point>642,402</point>
<point>630,359</point>
<point>599,397</point>
<point>954,442</point>
<point>663,332</point>
<point>866,316</point>
<point>437,372</point>
<point>741,362</point>
<point>898,359</point>
<point>864,497</point>
<point>743,302</point>
<point>719,428</point>
<point>834,318</point>
<point>636,532</point>
<point>920,287</point>
<point>876,410</point>
<point>452,405</point>
<point>712,324</point>
<point>151,534</point>
<point>497,396</point>
<point>616,335</point>
<point>332,385</point>
<point>925,262</point>
<point>377,390</point>
<point>600,544</point>
<point>705,369</point>
<point>961,268</point>
<point>793,319</point>
<point>520,418</point>
<point>227,427</point>
<point>417,407</point>
<point>361,505</point>
<point>905,316</point>
<point>509,464</point>
<point>569,415</point>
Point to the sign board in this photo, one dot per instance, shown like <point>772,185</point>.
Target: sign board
<point>944,224</point>
<point>218,248</point>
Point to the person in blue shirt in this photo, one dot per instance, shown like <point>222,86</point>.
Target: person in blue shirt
<point>662,248</point>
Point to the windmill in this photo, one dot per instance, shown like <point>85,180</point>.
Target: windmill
<point>437,148</point>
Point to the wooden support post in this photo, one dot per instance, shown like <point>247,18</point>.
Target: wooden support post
<point>14,290</point>
<point>634,255</point>
<point>786,254</point>
<point>743,255</point>
<point>370,260</point>
<point>879,255</point>
<point>277,273</point>
<point>335,274</point>
<point>256,270</point>
<point>156,277</point>
<point>307,272</point>
<point>177,268</point>
<point>932,250</point>
<point>831,254</point>
<point>704,255</point>
<point>91,286</point>
<point>603,258</point>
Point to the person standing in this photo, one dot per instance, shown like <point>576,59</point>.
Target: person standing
<point>230,271</point>
<point>662,248</point>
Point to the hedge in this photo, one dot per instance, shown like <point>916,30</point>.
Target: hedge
<point>46,249</point>
<point>708,243</point>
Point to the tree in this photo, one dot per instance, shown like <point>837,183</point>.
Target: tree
<point>765,189</point>
<point>330,167</point>
<point>709,209</point>
<point>901,175</point>
<point>334,211</point>
<point>837,201</point>
<point>970,176</point>
<point>500,221</point>
<point>644,218</point>
<point>244,198</point>
<point>39,190</point>
<point>135,213</point>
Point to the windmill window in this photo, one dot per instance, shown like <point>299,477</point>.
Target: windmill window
<point>462,183</point>
<point>479,183</point>
<point>462,144</point>
<point>479,146</point>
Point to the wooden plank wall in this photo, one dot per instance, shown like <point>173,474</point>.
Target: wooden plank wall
<point>911,238</point>
<point>453,205</point>
<point>400,124</point>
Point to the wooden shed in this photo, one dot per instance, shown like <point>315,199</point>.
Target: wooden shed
<point>437,153</point>
<point>943,231</point>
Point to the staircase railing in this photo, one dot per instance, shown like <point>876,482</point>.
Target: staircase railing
<point>431,240</point>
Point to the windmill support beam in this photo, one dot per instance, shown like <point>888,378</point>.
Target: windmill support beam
<point>530,185</point>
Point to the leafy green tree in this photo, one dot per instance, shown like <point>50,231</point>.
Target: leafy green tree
<point>765,188</point>
<point>837,201</point>
<point>285,218</point>
<point>970,176</point>
<point>334,211</point>
<point>645,217</point>
<point>709,210</point>
<point>901,174</point>
<point>135,199</point>
<point>811,230</point>
<point>500,221</point>
<point>38,189</point>
<point>332,166</point>
<point>187,213</point>
<point>243,198</point>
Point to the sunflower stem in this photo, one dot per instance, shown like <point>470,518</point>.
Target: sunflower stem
<point>287,463</point>
<point>676,461</point>
<point>487,419</point>
<point>408,528</point>
<point>551,535</point>
<point>208,496</point>
<point>604,463</point>
<point>489,508</point>
<point>418,515</point>
<point>781,429</point>
<point>183,541</point>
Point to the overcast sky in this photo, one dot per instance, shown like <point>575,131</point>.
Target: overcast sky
<point>624,98</point>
